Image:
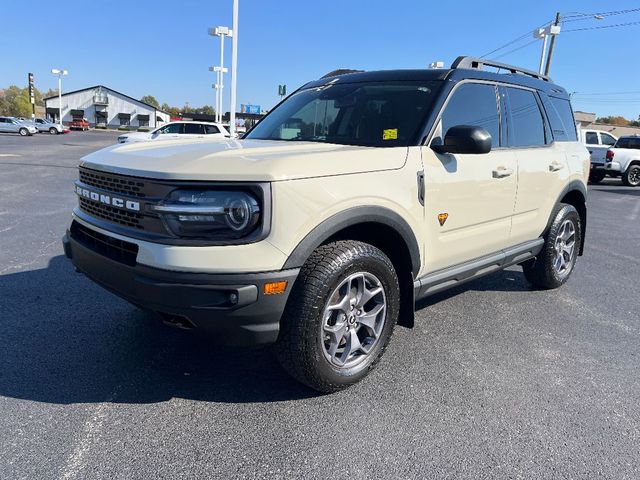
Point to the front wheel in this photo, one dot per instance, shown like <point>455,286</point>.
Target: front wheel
<point>340,316</point>
<point>631,178</point>
<point>53,131</point>
<point>23,132</point>
<point>555,262</point>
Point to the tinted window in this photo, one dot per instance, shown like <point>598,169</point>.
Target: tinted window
<point>173,128</point>
<point>527,125</point>
<point>473,104</point>
<point>628,142</point>
<point>382,114</point>
<point>591,138</point>
<point>561,118</point>
<point>209,129</point>
<point>193,128</point>
<point>607,139</point>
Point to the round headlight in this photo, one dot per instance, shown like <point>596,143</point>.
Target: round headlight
<point>238,214</point>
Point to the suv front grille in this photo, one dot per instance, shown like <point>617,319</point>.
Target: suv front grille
<point>112,214</point>
<point>113,183</point>
<point>117,250</point>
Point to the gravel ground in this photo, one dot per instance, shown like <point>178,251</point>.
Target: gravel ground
<point>495,380</point>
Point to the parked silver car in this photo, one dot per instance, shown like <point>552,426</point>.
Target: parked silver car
<point>44,125</point>
<point>12,125</point>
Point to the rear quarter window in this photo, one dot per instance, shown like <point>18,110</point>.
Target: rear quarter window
<point>560,115</point>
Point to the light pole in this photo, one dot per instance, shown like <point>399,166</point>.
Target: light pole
<point>552,31</point>
<point>60,73</point>
<point>220,71</point>
<point>234,70</point>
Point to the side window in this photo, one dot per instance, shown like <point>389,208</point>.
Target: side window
<point>526,119</point>
<point>193,129</point>
<point>209,129</point>
<point>607,139</point>
<point>173,128</point>
<point>473,104</point>
<point>591,138</point>
<point>562,109</point>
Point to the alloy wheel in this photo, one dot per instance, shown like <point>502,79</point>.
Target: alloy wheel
<point>353,320</point>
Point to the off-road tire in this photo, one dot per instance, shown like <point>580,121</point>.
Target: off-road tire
<point>631,178</point>
<point>300,348</point>
<point>540,271</point>
<point>597,177</point>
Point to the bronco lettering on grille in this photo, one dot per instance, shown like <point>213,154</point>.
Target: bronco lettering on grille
<point>108,200</point>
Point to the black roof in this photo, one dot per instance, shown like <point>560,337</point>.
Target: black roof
<point>463,68</point>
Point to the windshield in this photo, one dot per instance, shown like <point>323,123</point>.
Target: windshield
<point>628,142</point>
<point>383,114</point>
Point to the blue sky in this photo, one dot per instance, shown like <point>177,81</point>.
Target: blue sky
<point>162,48</point>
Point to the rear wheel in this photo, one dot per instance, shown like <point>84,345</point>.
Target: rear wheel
<point>555,262</point>
<point>631,177</point>
<point>340,316</point>
<point>597,176</point>
<point>23,132</point>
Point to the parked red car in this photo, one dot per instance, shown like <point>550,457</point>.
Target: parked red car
<point>79,123</point>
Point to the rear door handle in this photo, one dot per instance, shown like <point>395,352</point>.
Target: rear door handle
<point>555,166</point>
<point>501,172</point>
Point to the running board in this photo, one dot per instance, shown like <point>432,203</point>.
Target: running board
<point>458,274</point>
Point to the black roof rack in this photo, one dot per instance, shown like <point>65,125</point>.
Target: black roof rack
<point>341,71</point>
<point>478,63</point>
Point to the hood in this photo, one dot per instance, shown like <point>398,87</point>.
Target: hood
<point>241,160</point>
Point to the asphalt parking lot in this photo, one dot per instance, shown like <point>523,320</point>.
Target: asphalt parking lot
<point>495,380</point>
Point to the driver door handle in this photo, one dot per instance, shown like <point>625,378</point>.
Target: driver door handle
<point>501,172</point>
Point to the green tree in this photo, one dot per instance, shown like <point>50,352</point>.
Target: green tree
<point>207,110</point>
<point>151,100</point>
<point>613,120</point>
<point>15,102</point>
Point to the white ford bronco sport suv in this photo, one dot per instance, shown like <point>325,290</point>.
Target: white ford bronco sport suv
<point>355,197</point>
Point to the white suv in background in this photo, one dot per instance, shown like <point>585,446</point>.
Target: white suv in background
<point>597,142</point>
<point>176,130</point>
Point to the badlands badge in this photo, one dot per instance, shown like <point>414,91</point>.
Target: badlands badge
<point>442,217</point>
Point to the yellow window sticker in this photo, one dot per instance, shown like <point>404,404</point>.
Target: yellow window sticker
<point>390,134</point>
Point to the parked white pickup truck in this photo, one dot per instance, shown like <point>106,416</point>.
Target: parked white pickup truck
<point>597,142</point>
<point>623,160</point>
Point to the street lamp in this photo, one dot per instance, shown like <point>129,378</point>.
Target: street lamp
<point>220,71</point>
<point>234,70</point>
<point>60,73</point>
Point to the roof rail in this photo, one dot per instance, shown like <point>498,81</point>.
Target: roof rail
<point>477,64</point>
<point>341,71</point>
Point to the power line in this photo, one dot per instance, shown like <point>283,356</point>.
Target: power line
<point>516,49</point>
<point>603,14</point>
<point>515,40</point>
<point>602,27</point>
<point>630,92</point>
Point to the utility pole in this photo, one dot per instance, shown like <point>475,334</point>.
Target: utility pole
<point>234,70</point>
<point>552,45</point>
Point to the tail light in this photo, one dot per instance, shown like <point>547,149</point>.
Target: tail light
<point>610,155</point>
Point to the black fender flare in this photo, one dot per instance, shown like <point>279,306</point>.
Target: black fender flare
<point>575,185</point>
<point>348,218</point>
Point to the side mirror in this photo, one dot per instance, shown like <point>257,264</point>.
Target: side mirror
<point>465,139</point>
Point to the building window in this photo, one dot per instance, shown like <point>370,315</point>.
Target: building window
<point>143,120</point>
<point>125,119</point>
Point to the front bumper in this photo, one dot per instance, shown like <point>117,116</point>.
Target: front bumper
<point>231,307</point>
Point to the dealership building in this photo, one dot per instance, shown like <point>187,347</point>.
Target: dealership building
<point>106,108</point>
